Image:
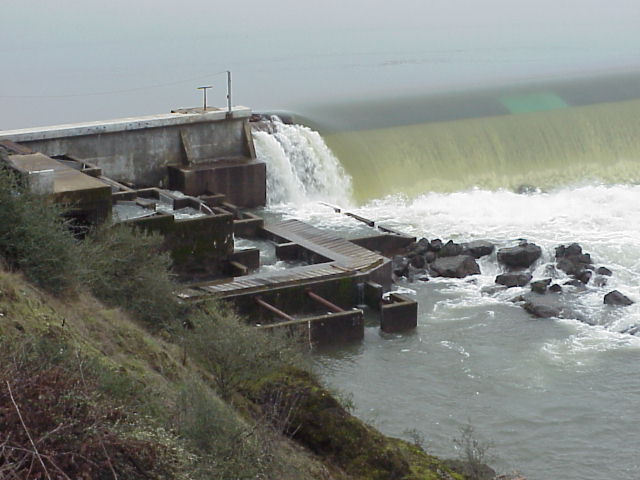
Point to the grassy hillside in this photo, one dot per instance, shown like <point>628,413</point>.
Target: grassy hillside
<point>107,376</point>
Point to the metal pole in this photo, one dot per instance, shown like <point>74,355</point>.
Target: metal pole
<point>323,301</point>
<point>204,96</point>
<point>229,91</point>
<point>273,309</point>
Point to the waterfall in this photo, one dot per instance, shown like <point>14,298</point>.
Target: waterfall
<point>300,166</point>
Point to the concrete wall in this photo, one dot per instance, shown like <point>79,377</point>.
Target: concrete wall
<point>138,149</point>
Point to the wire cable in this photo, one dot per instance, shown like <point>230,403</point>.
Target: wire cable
<point>115,92</point>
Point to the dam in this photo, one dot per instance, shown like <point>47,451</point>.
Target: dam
<point>192,175</point>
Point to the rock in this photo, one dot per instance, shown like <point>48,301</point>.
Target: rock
<point>521,256</point>
<point>478,248</point>
<point>584,276</point>
<point>555,288</point>
<point>435,244</point>
<point>400,265</point>
<point>418,248</point>
<point>571,260</point>
<point>616,298</point>
<point>544,306</point>
<point>541,309</point>
<point>575,283</point>
<point>517,279</point>
<point>418,261</point>
<point>415,273</point>
<point>430,256</point>
<point>540,286</point>
<point>604,271</point>
<point>450,249</point>
<point>455,267</point>
<point>570,250</point>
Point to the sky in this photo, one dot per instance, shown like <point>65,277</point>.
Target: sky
<point>70,61</point>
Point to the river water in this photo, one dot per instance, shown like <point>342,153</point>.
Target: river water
<point>555,398</point>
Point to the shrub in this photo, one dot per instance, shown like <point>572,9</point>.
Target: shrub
<point>127,268</point>
<point>54,424</point>
<point>473,453</point>
<point>234,352</point>
<point>35,239</point>
<point>228,448</point>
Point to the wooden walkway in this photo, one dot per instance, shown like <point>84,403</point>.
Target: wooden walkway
<point>341,251</point>
<point>347,259</point>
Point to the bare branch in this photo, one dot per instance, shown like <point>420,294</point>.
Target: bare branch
<point>35,449</point>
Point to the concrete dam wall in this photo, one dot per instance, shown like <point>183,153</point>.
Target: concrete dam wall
<point>138,150</point>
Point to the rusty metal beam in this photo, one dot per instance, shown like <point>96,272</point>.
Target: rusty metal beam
<point>323,301</point>
<point>273,309</point>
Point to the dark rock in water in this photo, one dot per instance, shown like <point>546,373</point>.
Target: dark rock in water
<point>430,256</point>
<point>575,283</point>
<point>450,249</point>
<point>604,271</point>
<point>521,256</point>
<point>567,266</point>
<point>418,261</point>
<point>541,309</point>
<point>435,245</point>
<point>570,250</point>
<point>555,288</point>
<point>545,306</point>
<point>400,265</point>
<point>478,248</point>
<point>518,279</point>
<point>540,286</point>
<point>571,260</point>
<point>418,248</point>
<point>616,298</point>
<point>584,276</point>
<point>455,267</point>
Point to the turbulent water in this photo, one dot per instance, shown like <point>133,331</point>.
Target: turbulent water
<point>300,166</point>
<point>557,398</point>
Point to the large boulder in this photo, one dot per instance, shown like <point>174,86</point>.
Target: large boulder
<point>616,298</point>
<point>450,249</point>
<point>571,260</point>
<point>478,248</point>
<point>604,271</point>
<point>545,306</point>
<point>540,286</point>
<point>522,256</point>
<point>400,265</point>
<point>455,267</point>
<point>515,279</point>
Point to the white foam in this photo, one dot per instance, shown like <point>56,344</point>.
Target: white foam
<point>300,166</point>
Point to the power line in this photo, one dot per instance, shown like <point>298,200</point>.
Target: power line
<point>114,92</point>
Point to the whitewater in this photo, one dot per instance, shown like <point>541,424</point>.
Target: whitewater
<point>556,398</point>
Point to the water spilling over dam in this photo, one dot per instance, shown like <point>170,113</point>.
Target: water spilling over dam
<point>545,392</point>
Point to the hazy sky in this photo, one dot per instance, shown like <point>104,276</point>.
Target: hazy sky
<point>287,53</point>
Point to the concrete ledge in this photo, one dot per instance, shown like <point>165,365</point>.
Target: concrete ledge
<point>327,329</point>
<point>399,315</point>
<point>119,125</point>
